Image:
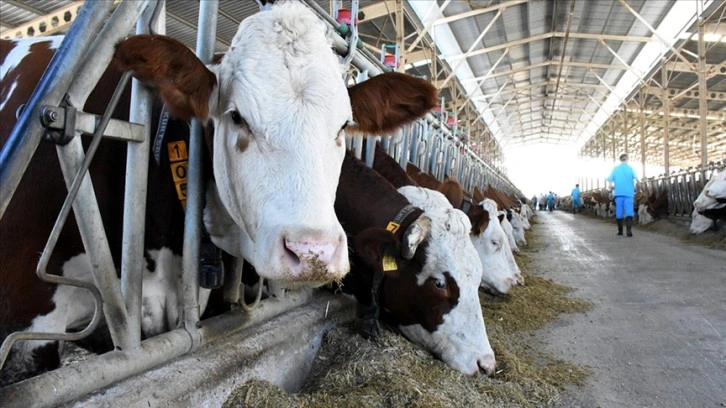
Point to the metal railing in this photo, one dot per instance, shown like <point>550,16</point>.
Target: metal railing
<point>682,187</point>
<point>427,143</point>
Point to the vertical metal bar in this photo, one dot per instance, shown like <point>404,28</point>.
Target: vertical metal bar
<point>26,135</point>
<point>641,119</point>
<point>702,85</point>
<point>612,139</point>
<point>405,144</point>
<point>666,118</point>
<point>370,151</point>
<point>137,170</point>
<point>206,35</point>
<point>625,130</point>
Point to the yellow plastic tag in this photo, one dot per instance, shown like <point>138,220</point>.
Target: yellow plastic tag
<point>392,227</point>
<point>177,151</point>
<point>389,263</point>
<point>179,171</point>
<point>181,189</point>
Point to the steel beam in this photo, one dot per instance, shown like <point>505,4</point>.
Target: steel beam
<point>703,85</point>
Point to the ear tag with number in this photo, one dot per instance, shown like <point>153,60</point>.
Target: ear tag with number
<point>389,263</point>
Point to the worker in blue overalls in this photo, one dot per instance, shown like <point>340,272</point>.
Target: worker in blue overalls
<point>624,178</point>
<point>576,201</point>
<point>551,201</point>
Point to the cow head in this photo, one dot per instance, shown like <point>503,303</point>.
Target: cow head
<point>644,215</point>
<point>713,194</point>
<point>451,325</point>
<point>700,223</point>
<point>279,107</point>
<point>500,271</point>
<point>518,228</point>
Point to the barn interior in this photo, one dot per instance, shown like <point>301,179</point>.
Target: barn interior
<point>546,93</point>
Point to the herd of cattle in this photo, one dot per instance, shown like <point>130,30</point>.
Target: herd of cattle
<point>282,193</point>
<point>709,208</point>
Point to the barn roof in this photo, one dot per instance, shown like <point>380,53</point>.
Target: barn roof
<point>592,75</point>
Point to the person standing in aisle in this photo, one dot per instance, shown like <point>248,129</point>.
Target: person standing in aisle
<point>624,177</point>
<point>575,195</point>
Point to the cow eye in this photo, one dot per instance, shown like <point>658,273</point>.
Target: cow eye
<point>440,283</point>
<point>236,117</point>
<point>342,129</point>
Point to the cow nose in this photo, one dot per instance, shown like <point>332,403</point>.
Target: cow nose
<point>519,279</point>
<point>305,250</point>
<point>488,364</point>
<point>316,256</point>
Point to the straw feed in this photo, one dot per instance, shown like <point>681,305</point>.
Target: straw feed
<point>351,371</point>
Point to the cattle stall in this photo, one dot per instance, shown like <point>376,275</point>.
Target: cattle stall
<point>80,61</point>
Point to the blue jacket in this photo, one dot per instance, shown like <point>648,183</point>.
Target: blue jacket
<point>551,198</point>
<point>576,194</point>
<point>624,178</point>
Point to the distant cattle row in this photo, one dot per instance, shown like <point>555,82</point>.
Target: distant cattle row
<point>281,193</point>
<point>709,208</point>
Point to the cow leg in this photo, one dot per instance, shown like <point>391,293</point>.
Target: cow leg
<point>371,325</point>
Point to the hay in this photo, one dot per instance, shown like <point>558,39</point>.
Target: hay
<point>391,372</point>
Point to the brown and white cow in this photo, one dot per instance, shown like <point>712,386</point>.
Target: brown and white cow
<point>416,268</point>
<point>654,208</point>
<point>278,106</point>
<point>499,271</point>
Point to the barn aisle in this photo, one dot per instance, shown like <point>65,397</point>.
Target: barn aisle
<point>656,335</point>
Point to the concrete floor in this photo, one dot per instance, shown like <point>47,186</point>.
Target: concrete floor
<point>656,336</point>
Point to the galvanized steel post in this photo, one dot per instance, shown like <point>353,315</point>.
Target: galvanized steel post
<point>206,37</point>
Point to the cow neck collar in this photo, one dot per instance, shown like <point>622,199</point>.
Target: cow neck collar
<point>403,218</point>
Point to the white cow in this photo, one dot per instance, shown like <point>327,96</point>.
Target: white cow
<point>501,271</point>
<point>699,223</point>
<point>518,228</point>
<point>712,192</point>
<point>509,230</point>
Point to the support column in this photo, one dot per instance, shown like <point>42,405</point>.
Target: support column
<point>625,130</point>
<point>641,120</point>
<point>702,86</point>
<point>612,139</point>
<point>666,114</point>
<point>402,57</point>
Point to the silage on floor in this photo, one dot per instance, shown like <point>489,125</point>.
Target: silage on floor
<point>351,371</point>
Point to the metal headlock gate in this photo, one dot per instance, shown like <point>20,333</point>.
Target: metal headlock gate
<point>682,187</point>
<point>78,64</point>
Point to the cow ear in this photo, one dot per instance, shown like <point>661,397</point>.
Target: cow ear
<point>380,250</point>
<point>388,101</point>
<point>479,218</point>
<point>182,80</point>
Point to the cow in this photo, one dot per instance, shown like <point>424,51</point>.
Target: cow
<point>499,275</point>
<point>655,208</point>
<point>701,223</point>
<point>413,266</point>
<point>710,206</point>
<point>279,110</point>
<point>713,195</point>
<point>517,226</point>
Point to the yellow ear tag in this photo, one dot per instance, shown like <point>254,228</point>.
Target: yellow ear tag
<point>389,263</point>
<point>393,227</point>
